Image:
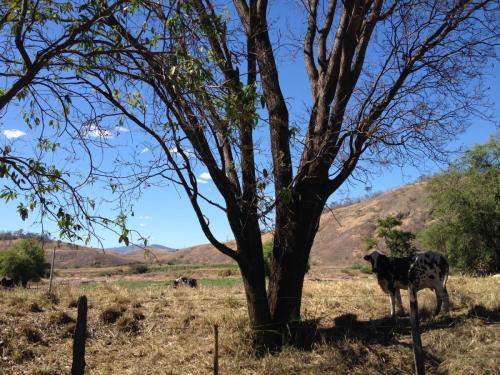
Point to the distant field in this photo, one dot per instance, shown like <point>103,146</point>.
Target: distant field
<point>155,272</point>
<point>164,283</point>
<point>163,330</point>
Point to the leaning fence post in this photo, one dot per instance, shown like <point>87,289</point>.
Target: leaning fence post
<point>415,332</point>
<point>216,349</point>
<point>78,367</point>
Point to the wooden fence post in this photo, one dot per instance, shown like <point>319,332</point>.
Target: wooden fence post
<point>78,367</point>
<point>216,349</point>
<point>52,269</point>
<point>415,332</point>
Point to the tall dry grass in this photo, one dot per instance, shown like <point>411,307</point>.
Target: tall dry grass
<point>162,330</point>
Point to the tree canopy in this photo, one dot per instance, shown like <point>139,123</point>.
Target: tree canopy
<point>40,42</point>
<point>23,261</point>
<point>465,203</point>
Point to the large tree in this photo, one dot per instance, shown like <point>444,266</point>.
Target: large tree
<point>389,81</point>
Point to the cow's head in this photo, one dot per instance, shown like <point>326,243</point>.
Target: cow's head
<point>377,260</point>
<point>178,281</point>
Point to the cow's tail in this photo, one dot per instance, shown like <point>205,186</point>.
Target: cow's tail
<point>446,272</point>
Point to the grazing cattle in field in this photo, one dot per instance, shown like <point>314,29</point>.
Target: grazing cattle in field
<point>424,270</point>
<point>6,282</point>
<point>185,281</point>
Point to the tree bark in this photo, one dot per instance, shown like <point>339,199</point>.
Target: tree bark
<point>292,246</point>
<point>252,270</point>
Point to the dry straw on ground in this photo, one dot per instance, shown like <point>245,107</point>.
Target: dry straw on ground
<point>162,330</point>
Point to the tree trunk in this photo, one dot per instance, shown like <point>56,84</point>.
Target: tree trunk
<point>265,335</point>
<point>254,280</point>
<point>285,286</point>
<point>292,246</point>
<point>270,312</point>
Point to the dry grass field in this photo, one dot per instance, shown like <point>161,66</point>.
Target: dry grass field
<point>144,326</point>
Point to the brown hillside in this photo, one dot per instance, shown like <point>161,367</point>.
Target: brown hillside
<point>342,231</point>
<point>71,256</point>
<point>197,254</point>
<point>340,239</point>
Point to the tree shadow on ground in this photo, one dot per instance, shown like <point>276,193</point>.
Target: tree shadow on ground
<point>307,334</point>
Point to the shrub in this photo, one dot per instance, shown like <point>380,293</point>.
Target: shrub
<point>32,334</point>
<point>138,315</point>
<point>398,242</point>
<point>136,305</point>
<point>128,324</point>
<point>61,318</point>
<point>111,314</point>
<point>465,204</point>
<point>23,261</point>
<point>23,355</point>
<point>34,307</point>
<point>138,268</point>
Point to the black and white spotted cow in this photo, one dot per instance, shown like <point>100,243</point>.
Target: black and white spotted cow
<point>424,270</point>
<point>185,281</point>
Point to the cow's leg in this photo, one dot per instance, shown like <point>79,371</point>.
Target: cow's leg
<point>393,303</point>
<point>441,299</point>
<point>446,301</point>
<point>401,310</point>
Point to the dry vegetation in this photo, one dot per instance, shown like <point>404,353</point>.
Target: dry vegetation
<point>156,329</point>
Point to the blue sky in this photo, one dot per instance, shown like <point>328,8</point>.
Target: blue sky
<point>164,215</point>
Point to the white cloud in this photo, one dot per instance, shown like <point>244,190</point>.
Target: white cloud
<point>96,131</point>
<point>205,176</point>
<point>13,133</point>
<point>121,129</point>
<point>145,217</point>
<point>142,225</point>
<point>144,150</point>
<point>175,150</point>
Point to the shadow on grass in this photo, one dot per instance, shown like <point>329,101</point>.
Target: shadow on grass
<point>307,334</point>
<point>481,312</point>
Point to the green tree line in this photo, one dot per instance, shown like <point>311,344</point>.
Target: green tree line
<point>465,203</point>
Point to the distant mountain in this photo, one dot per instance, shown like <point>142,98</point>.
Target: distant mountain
<point>161,247</point>
<point>132,248</point>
